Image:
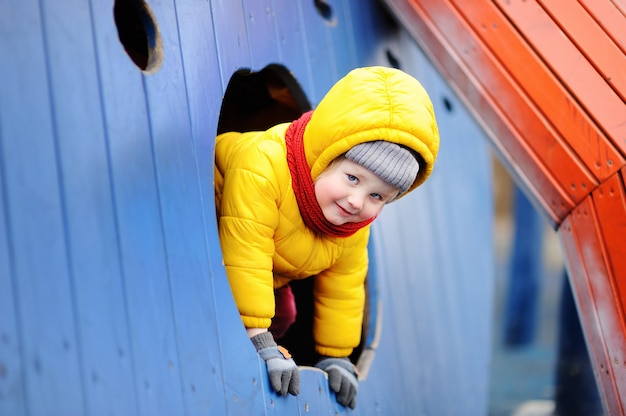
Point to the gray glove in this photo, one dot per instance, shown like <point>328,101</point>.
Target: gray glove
<point>282,370</point>
<point>342,379</point>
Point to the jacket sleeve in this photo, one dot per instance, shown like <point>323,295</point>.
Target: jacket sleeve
<point>248,217</point>
<point>340,300</point>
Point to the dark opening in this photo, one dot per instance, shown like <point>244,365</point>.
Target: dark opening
<point>259,100</point>
<point>325,10</point>
<point>448,104</point>
<point>139,33</point>
<point>393,61</point>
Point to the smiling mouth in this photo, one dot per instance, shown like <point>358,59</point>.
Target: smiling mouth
<point>344,212</point>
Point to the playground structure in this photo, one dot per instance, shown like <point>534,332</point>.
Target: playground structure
<point>113,298</point>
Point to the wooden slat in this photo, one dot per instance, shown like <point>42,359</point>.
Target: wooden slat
<point>91,238</point>
<point>575,129</point>
<point>11,361</point>
<point>609,18</point>
<point>584,259</point>
<point>40,280</point>
<point>610,203</point>
<point>574,71</point>
<point>593,42</point>
<point>138,224</point>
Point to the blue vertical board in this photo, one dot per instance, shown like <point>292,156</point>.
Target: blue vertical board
<point>294,49</point>
<point>12,400</point>
<point>39,259</point>
<point>153,348</point>
<point>321,58</point>
<point>91,241</point>
<point>181,216</point>
<point>342,40</point>
<point>261,32</point>
<point>229,25</point>
<point>242,374</point>
<point>204,92</point>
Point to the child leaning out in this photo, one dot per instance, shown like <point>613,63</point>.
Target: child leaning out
<point>296,201</point>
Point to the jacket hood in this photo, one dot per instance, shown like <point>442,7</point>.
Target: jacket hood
<point>373,103</point>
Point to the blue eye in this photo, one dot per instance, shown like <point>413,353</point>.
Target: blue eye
<point>352,178</point>
<point>376,196</point>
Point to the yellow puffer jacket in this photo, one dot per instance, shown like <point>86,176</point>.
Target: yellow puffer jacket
<point>264,241</point>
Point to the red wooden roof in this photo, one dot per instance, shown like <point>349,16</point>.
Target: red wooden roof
<point>547,81</point>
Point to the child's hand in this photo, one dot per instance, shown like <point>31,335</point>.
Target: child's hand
<point>342,379</point>
<point>282,370</point>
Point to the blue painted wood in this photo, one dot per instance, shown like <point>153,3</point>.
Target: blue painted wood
<point>93,253</point>
<point>113,296</point>
<point>12,394</point>
<point>261,30</point>
<point>294,48</point>
<point>153,350</point>
<point>231,37</point>
<point>320,51</point>
<point>204,90</point>
<point>37,228</point>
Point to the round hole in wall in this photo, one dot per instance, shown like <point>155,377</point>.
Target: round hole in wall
<point>139,34</point>
<point>326,11</point>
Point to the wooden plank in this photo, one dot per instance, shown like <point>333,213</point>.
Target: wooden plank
<point>546,93</point>
<point>610,205</point>
<point>318,399</point>
<point>599,314</point>
<point>43,306</point>
<point>204,95</point>
<point>90,221</point>
<point>262,33</point>
<point>153,349</point>
<point>574,71</point>
<point>342,41</point>
<point>609,18</point>
<point>229,29</point>
<point>592,41</point>
<point>294,50</point>
<point>12,393</point>
<point>318,45</point>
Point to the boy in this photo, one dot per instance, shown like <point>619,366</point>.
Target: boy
<point>296,201</point>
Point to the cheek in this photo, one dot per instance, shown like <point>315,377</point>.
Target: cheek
<point>321,191</point>
<point>371,211</point>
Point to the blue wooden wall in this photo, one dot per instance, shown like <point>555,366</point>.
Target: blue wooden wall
<point>113,299</point>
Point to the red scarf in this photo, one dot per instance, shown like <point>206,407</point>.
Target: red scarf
<point>304,188</point>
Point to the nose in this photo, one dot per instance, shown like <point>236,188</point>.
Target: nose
<point>355,200</point>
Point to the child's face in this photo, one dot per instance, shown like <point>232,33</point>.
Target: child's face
<point>348,192</point>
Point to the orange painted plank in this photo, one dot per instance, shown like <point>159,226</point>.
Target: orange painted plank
<point>610,202</point>
<point>575,72</point>
<point>576,129</point>
<point>609,18</point>
<point>591,40</point>
<point>507,140</point>
<point>621,6</point>
<point>600,315</point>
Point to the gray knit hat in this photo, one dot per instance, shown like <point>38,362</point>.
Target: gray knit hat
<point>392,163</point>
